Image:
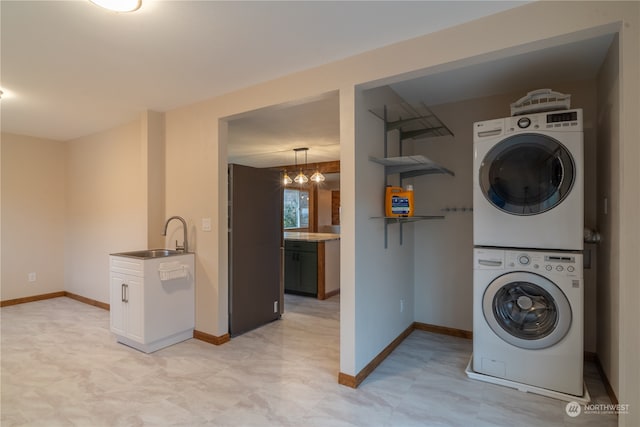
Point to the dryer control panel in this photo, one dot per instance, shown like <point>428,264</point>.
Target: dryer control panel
<point>564,120</point>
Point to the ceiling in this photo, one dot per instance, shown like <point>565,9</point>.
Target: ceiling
<point>525,72</point>
<point>267,137</point>
<point>70,68</point>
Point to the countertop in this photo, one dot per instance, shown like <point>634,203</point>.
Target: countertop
<point>310,237</point>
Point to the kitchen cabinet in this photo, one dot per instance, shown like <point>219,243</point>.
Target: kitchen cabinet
<point>152,301</point>
<point>301,268</point>
<point>312,264</point>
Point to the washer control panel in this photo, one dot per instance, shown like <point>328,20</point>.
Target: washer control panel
<point>567,264</point>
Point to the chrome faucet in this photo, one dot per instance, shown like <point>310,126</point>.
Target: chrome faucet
<point>185,244</point>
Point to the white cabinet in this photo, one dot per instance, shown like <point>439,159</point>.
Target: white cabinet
<point>148,313</point>
<point>127,308</point>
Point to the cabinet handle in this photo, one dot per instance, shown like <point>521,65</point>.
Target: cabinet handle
<point>124,292</point>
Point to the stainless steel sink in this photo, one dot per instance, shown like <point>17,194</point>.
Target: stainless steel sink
<point>150,253</point>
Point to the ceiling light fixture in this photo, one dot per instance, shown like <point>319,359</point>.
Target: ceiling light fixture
<point>119,5</point>
<point>301,178</point>
<point>6,93</point>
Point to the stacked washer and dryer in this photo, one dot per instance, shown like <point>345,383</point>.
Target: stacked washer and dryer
<point>528,237</point>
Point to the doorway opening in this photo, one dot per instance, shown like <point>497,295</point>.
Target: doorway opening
<point>264,142</point>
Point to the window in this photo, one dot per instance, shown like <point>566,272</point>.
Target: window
<point>296,209</point>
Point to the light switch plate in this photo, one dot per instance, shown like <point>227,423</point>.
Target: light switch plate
<point>206,224</point>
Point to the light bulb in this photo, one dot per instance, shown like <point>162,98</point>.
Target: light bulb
<point>301,178</point>
<point>286,180</point>
<point>317,177</point>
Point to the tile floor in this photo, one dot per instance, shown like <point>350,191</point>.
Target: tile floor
<point>60,366</point>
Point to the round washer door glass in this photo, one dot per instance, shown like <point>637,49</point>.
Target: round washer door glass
<point>526,310</point>
<point>527,174</point>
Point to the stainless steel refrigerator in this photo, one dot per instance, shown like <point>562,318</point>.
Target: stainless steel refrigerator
<point>255,247</point>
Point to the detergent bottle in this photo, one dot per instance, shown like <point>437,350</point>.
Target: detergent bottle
<point>398,202</point>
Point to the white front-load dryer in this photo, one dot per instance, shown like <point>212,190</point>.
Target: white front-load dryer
<point>528,181</point>
<point>528,318</point>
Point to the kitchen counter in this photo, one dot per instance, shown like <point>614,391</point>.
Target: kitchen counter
<point>310,237</point>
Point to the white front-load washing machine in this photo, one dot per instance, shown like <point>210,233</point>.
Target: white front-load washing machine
<point>528,181</point>
<point>528,318</point>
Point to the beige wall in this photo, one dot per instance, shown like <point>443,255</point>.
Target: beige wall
<point>629,173</point>
<point>33,205</point>
<point>152,140</point>
<point>106,206</point>
<point>608,222</point>
<point>324,208</point>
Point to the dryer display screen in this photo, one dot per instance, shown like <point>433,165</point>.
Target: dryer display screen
<point>562,117</point>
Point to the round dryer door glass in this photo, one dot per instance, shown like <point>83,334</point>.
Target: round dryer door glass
<point>527,310</point>
<point>527,174</point>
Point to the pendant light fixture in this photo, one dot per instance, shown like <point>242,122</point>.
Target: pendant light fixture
<point>301,178</point>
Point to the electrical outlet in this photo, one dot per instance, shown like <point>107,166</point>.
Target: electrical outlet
<point>401,305</point>
<point>275,306</point>
<point>206,224</point>
<point>31,277</point>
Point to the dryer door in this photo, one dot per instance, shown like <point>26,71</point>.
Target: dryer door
<point>527,174</point>
<point>527,310</point>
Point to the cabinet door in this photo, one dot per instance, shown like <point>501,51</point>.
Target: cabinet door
<point>134,313</point>
<point>127,306</point>
<point>308,262</point>
<point>291,271</point>
<point>117,305</point>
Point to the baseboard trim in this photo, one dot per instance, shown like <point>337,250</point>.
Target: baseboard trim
<point>211,339</point>
<point>355,381</point>
<point>443,330</point>
<point>51,295</point>
<point>86,300</point>
<point>33,298</point>
<point>331,294</point>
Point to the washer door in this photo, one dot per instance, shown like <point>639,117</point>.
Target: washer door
<point>527,174</point>
<point>526,310</point>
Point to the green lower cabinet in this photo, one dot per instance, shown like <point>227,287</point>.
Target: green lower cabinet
<point>301,268</point>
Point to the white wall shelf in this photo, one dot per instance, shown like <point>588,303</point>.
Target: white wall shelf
<point>412,122</point>
<point>410,166</point>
